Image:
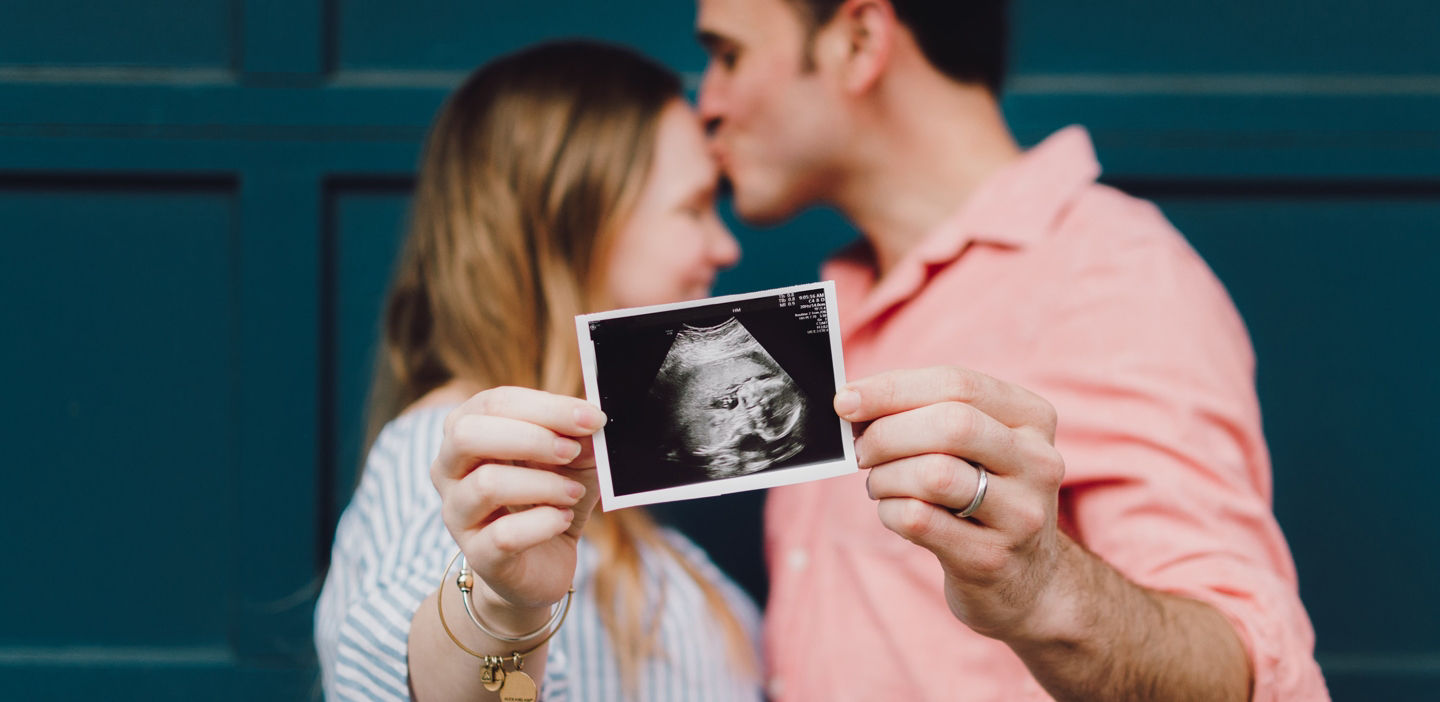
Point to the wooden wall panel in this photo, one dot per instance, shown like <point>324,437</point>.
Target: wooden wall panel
<point>365,225</point>
<point>200,202</point>
<point>455,35</point>
<point>1188,38</point>
<point>183,34</point>
<point>119,309</point>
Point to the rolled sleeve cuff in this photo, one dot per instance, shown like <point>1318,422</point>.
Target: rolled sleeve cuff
<point>1267,615</point>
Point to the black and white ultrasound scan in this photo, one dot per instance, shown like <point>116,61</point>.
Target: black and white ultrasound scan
<point>715,396</point>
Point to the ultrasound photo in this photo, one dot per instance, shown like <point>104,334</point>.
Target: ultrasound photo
<point>716,396</point>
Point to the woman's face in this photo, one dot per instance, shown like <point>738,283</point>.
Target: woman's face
<point>671,246</point>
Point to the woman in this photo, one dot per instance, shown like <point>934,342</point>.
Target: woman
<point>567,178</point>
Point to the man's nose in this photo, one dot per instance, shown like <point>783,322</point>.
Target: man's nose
<point>709,103</point>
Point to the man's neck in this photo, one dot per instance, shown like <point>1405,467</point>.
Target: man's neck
<point>918,162</point>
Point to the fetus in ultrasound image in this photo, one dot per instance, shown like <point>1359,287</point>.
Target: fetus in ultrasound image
<point>731,409</point>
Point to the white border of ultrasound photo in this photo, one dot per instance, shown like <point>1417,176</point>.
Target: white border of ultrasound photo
<point>717,486</point>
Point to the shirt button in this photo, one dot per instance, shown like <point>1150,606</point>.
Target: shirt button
<point>775,688</point>
<point>797,559</point>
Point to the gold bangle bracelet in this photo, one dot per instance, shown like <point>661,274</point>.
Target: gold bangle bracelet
<point>440,609</point>
<point>466,582</point>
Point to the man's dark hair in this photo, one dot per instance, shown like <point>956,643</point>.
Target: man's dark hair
<point>967,40</point>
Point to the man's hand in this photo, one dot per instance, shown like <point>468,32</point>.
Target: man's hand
<point>929,434</point>
<point>1083,629</point>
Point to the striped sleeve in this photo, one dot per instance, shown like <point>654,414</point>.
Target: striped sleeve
<point>391,543</point>
<point>389,548</point>
<point>386,554</point>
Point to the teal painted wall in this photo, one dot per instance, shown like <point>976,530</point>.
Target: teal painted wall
<point>199,202</point>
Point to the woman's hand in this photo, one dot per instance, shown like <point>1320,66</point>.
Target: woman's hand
<point>516,476</point>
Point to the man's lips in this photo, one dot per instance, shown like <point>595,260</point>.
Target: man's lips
<point>721,156</point>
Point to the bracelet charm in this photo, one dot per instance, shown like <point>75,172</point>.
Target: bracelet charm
<point>516,685</point>
<point>519,686</point>
<point>492,673</point>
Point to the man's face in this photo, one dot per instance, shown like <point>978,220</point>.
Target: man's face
<point>772,120</point>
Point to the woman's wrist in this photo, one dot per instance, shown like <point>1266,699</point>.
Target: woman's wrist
<point>504,616</point>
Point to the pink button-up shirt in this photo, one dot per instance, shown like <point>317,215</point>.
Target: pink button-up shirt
<point>1091,299</point>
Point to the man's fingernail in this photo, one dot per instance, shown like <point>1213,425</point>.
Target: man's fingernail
<point>589,417</point>
<point>847,401</point>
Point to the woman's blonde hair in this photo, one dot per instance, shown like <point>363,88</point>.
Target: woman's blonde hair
<point>528,170</point>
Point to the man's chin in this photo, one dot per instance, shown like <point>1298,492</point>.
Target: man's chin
<point>763,211</point>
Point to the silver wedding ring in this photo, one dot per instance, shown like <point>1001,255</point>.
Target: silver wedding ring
<point>979,494</point>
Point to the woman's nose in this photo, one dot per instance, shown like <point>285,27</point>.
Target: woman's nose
<point>724,250</point>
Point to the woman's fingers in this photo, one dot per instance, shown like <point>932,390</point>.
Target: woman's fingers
<point>473,439</point>
<point>561,414</point>
<point>504,498</point>
<point>516,532</point>
<point>491,487</point>
<point>516,424</point>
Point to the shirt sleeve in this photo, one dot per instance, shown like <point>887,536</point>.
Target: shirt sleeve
<point>390,545</point>
<point>1167,473</point>
<point>362,620</point>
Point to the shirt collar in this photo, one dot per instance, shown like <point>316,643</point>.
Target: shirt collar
<point>1019,204</point>
<point>1015,207</point>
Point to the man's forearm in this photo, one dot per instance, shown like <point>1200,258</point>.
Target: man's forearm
<point>1084,631</point>
<point>1106,638</point>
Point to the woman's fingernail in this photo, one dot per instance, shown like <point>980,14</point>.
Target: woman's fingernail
<point>847,401</point>
<point>589,418</point>
<point>567,449</point>
<point>575,490</point>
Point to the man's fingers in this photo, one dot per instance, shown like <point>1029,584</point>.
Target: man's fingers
<point>896,391</point>
<point>948,427</point>
<point>1009,505</point>
<point>926,524</point>
<point>564,415</point>
<point>974,552</point>
<point>491,487</point>
<point>944,481</point>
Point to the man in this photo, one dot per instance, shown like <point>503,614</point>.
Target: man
<point>1125,550</point>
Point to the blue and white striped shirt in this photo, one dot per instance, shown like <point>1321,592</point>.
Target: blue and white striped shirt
<point>391,544</point>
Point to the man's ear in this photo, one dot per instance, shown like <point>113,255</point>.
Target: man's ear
<point>865,31</point>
